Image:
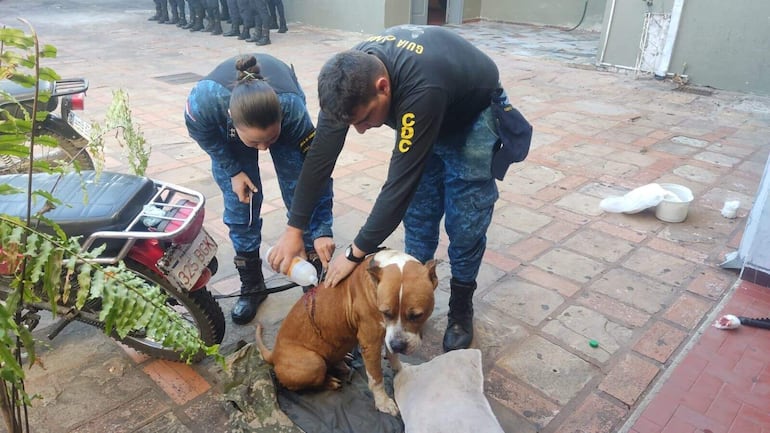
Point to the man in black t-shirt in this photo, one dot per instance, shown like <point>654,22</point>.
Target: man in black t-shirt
<point>434,89</point>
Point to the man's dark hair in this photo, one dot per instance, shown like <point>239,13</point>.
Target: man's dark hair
<point>346,82</point>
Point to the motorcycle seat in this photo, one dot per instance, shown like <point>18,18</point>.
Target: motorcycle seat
<point>88,204</point>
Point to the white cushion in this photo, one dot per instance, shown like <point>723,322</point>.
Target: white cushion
<point>445,395</point>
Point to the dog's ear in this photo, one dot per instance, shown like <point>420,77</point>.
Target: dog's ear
<point>431,265</point>
<point>374,271</point>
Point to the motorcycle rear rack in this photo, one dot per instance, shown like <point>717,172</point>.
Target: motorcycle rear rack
<point>69,86</point>
<point>58,88</point>
<point>161,200</point>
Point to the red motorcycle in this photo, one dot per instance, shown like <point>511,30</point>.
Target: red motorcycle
<point>154,227</point>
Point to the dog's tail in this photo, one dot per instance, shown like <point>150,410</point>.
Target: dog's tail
<point>266,353</point>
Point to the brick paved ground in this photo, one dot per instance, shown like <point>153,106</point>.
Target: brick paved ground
<point>558,271</point>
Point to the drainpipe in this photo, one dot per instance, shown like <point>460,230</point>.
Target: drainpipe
<point>607,37</point>
<point>673,27</point>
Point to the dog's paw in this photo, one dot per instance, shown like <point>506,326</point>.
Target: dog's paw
<point>386,405</point>
<point>332,383</point>
<point>399,365</point>
<point>341,369</point>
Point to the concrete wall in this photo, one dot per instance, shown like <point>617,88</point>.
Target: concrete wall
<point>396,12</point>
<point>374,15</point>
<point>723,44</point>
<point>471,9</point>
<point>358,16</point>
<point>559,13</point>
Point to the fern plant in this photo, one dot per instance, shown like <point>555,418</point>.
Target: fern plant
<point>47,266</point>
<point>128,134</point>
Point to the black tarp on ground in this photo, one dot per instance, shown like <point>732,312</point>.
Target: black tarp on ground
<point>257,405</point>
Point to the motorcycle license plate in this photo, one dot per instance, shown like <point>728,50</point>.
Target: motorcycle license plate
<point>188,261</point>
<point>81,126</point>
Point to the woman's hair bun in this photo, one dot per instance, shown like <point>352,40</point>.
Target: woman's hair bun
<point>248,68</point>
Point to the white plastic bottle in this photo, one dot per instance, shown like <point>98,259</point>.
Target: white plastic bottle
<point>300,270</point>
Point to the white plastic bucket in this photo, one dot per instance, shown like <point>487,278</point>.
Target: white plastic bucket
<point>673,208</point>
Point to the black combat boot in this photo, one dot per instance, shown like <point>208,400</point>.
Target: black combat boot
<point>265,37</point>
<point>174,15</point>
<point>209,21</point>
<point>217,23</point>
<point>235,27</point>
<point>459,329</point>
<point>157,12</point>
<point>198,23</point>
<point>182,20</point>
<point>245,33</point>
<point>191,22</point>
<point>255,36</point>
<point>253,290</point>
<point>217,28</point>
<point>234,31</point>
<point>163,12</point>
<point>281,17</point>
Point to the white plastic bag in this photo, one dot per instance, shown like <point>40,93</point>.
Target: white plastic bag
<point>730,209</point>
<point>636,200</point>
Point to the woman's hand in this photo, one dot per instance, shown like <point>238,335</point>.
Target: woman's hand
<point>243,187</point>
<point>324,247</point>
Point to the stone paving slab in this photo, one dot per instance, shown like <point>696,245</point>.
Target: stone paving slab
<point>557,273</point>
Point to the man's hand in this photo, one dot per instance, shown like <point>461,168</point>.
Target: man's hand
<point>324,247</point>
<point>243,187</point>
<point>340,268</point>
<point>289,245</point>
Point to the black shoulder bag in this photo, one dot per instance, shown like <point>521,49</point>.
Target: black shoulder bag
<point>515,135</point>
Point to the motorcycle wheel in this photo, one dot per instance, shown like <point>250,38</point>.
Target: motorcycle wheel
<point>69,151</point>
<point>198,307</point>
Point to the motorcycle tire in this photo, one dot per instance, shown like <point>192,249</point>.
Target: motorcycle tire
<point>198,307</point>
<point>70,150</point>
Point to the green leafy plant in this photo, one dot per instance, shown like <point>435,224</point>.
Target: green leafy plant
<point>45,265</point>
<point>128,135</point>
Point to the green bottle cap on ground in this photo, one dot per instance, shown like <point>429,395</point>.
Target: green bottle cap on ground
<point>593,343</point>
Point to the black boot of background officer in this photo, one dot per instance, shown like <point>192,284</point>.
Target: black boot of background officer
<point>256,21</point>
<point>157,12</point>
<point>264,38</point>
<point>256,35</point>
<point>209,20</point>
<point>198,10</point>
<point>163,12</point>
<point>459,330</point>
<point>174,11</point>
<point>180,11</point>
<point>235,27</point>
<point>235,19</point>
<point>214,23</point>
<point>253,290</point>
<point>262,21</point>
<point>245,33</point>
<point>191,9</point>
<point>277,15</point>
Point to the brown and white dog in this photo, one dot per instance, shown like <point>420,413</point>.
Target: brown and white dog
<point>386,300</point>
